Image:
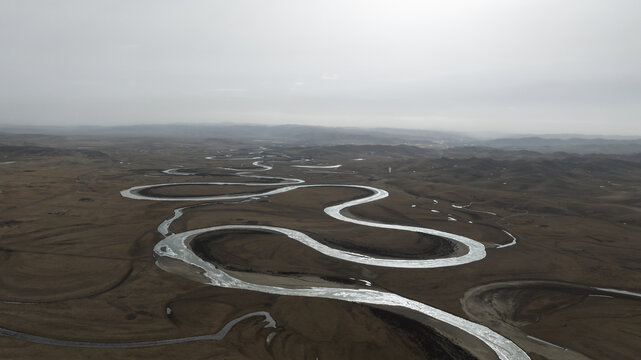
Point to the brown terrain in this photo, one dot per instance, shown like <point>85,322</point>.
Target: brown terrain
<point>77,264</point>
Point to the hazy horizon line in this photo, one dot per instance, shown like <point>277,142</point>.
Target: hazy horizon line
<point>471,133</point>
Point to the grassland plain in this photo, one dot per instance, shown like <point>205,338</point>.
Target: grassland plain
<point>76,258</point>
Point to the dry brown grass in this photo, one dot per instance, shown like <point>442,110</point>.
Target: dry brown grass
<point>82,255</point>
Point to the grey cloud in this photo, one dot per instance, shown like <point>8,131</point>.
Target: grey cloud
<point>543,66</point>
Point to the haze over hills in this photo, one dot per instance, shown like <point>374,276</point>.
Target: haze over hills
<point>319,135</point>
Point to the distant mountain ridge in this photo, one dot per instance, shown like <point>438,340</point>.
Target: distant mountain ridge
<point>304,135</point>
<point>572,145</point>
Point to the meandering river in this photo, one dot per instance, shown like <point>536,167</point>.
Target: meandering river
<point>177,246</point>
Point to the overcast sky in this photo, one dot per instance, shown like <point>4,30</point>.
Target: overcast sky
<point>539,66</point>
